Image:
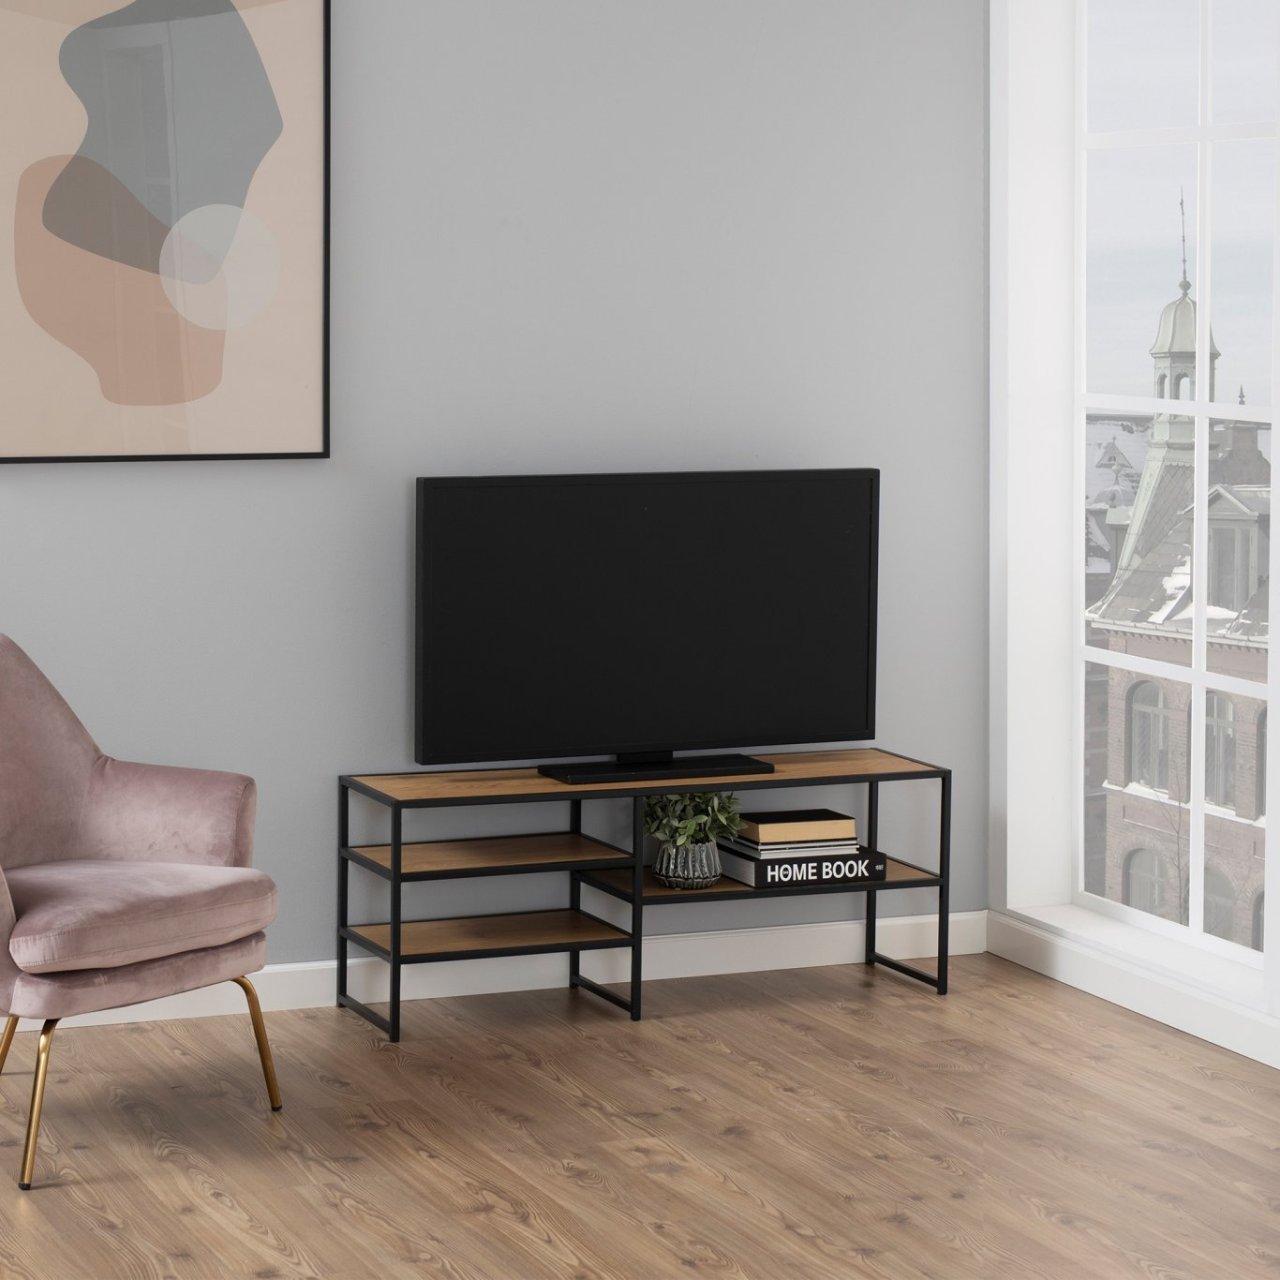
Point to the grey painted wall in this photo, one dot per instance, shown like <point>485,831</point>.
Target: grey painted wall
<point>567,235</point>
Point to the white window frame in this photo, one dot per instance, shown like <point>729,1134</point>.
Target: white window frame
<point>1039,913</point>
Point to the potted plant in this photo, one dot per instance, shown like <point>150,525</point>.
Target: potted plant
<point>686,827</point>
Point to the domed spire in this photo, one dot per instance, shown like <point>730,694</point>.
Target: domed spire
<point>1174,350</point>
<point>1176,334</point>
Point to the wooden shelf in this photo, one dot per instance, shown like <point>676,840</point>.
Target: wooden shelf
<point>898,875</point>
<point>492,786</point>
<point>471,936</point>
<point>494,855</point>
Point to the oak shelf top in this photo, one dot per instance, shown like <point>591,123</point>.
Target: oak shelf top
<point>492,853</point>
<point>479,935</point>
<point>791,768</point>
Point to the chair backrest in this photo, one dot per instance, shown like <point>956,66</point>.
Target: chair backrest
<point>46,764</point>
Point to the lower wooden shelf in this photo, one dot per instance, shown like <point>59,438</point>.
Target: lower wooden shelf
<point>469,937</point>
<point>898,875</point>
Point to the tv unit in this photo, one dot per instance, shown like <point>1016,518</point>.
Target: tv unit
<point>640,615</point>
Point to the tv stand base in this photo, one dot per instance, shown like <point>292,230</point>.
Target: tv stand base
<point>641,770</point>
<point>595,866</point>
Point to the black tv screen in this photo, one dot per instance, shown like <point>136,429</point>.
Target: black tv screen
<point>590,615</point>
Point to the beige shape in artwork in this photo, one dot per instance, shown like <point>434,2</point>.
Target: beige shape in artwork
<point>114,316</point>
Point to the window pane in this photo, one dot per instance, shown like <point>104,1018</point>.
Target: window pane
<point>1220,752</point>
<point>1232,888</point>
<point>1096,692</point>
<point>1139,320</point>
<point>1260,751</point>
<point>1239,562</point>
<point>1242,250</point>
<point>1139,490</point>
<point>1220,904</point>
<point>1144,64</point>
<point>1246,44</point>
<point>1234,836</point>
<point>1136,819</point>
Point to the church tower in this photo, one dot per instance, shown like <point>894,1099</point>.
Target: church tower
<point>1167,482</point>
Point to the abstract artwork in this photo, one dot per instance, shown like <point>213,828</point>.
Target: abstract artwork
<point>163,229</point>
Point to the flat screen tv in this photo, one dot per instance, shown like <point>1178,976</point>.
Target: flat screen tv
<point>636,616</point>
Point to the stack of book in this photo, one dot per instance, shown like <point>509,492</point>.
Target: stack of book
<point>797,849</point>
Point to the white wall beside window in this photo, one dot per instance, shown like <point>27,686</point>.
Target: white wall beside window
<point>1033,306</point>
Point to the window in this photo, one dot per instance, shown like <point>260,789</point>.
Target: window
<point>1220,751</point>
<point>1148,736</point>
<point>1152,165</point>
<point>1259,905</point>
<point>1177,245</point>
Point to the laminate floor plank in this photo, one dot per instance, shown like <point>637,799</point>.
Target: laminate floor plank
<point>821,1124</point>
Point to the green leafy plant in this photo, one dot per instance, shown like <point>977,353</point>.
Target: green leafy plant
<point>691,818</point>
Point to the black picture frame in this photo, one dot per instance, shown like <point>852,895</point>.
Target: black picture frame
<point>323,449</point>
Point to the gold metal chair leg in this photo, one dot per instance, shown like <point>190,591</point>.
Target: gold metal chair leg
<point>7,1038</point>
<point>37,1103</point>
<point>264,1048</point>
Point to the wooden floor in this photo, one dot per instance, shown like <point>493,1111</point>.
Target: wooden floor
<point>812,1123</point>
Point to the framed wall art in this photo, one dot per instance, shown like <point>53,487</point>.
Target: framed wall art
<point>163,229</point>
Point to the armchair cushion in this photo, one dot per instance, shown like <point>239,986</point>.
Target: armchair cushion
<point>60,995</point>
<point>89,914</point>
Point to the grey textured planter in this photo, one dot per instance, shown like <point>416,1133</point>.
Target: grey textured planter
<point>692,866</point>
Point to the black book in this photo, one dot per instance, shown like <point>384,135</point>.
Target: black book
<point>860,866</point>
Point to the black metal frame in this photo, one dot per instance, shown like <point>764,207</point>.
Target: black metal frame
<point>586,873</point>
<point>397,877</point>
<point>324,450</point>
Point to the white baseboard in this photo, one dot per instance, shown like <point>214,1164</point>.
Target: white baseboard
<point>311,984</point>
<point>1166,997</point>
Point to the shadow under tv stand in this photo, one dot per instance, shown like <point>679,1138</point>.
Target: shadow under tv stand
<point>593,864</point>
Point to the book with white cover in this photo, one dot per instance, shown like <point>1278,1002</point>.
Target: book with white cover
<point>750,849</point>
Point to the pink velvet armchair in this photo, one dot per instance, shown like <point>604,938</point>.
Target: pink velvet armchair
<point>118,882</point>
